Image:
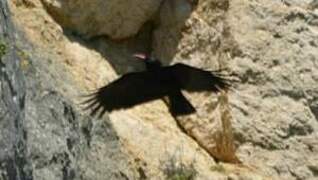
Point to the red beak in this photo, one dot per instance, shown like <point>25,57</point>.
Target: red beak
<point>140,56</point>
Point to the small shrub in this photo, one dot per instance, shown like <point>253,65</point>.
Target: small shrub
<point>2,49</point>
<point>178,171</point>
<point>218,168</point>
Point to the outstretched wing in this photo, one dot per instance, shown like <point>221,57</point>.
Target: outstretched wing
<point>127,91</point>
<point>195,79</point>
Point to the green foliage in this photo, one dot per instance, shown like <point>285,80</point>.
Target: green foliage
<point>219,168</point>
<point>22,54</point>
<point>24,58</point>
<point>177,171</point>
<point>2,49</point>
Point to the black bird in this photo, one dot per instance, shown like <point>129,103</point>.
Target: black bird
<point>156,82</point>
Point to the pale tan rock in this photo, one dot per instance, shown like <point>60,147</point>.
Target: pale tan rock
<point>117,19</point>
<point>271,116</point>
<point>200,38</point>
<point>148,134</point>
<point>275,106</point>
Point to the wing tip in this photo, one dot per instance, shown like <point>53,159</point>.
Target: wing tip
<point>225,81</point>
<point>94,104</point>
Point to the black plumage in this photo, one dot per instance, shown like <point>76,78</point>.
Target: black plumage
<point>156,82</point>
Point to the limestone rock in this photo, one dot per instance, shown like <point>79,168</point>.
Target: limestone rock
<point>200,38</point>
<point>14,163</point>
<point>270,117</point>
<point>43,135</point>
<point>274,107</point>
<point>117,19</point>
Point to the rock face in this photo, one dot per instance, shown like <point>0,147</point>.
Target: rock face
<point>202,40</point>
<point>268,122</point>
<point>275,108</point>
<point>117,19</point>
<point>42,135</point>
<point>14,163</point>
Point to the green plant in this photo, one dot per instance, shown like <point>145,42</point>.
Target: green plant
<point>219,168</point>
<point>2,49</point>
<point>179,171</point>
<point>24,58</point>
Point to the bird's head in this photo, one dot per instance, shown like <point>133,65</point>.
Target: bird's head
<point>150,61</point>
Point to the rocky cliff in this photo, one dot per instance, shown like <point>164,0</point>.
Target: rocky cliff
<point>54,51</point>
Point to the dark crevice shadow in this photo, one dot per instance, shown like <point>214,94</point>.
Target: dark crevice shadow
<point>170,23</point>
<point>119,52</point>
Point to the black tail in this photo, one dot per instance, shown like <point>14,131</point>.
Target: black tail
<point>179,105</point>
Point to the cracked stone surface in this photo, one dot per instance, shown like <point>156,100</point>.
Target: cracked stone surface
<point>268,122</point>
<point>117,19</point>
